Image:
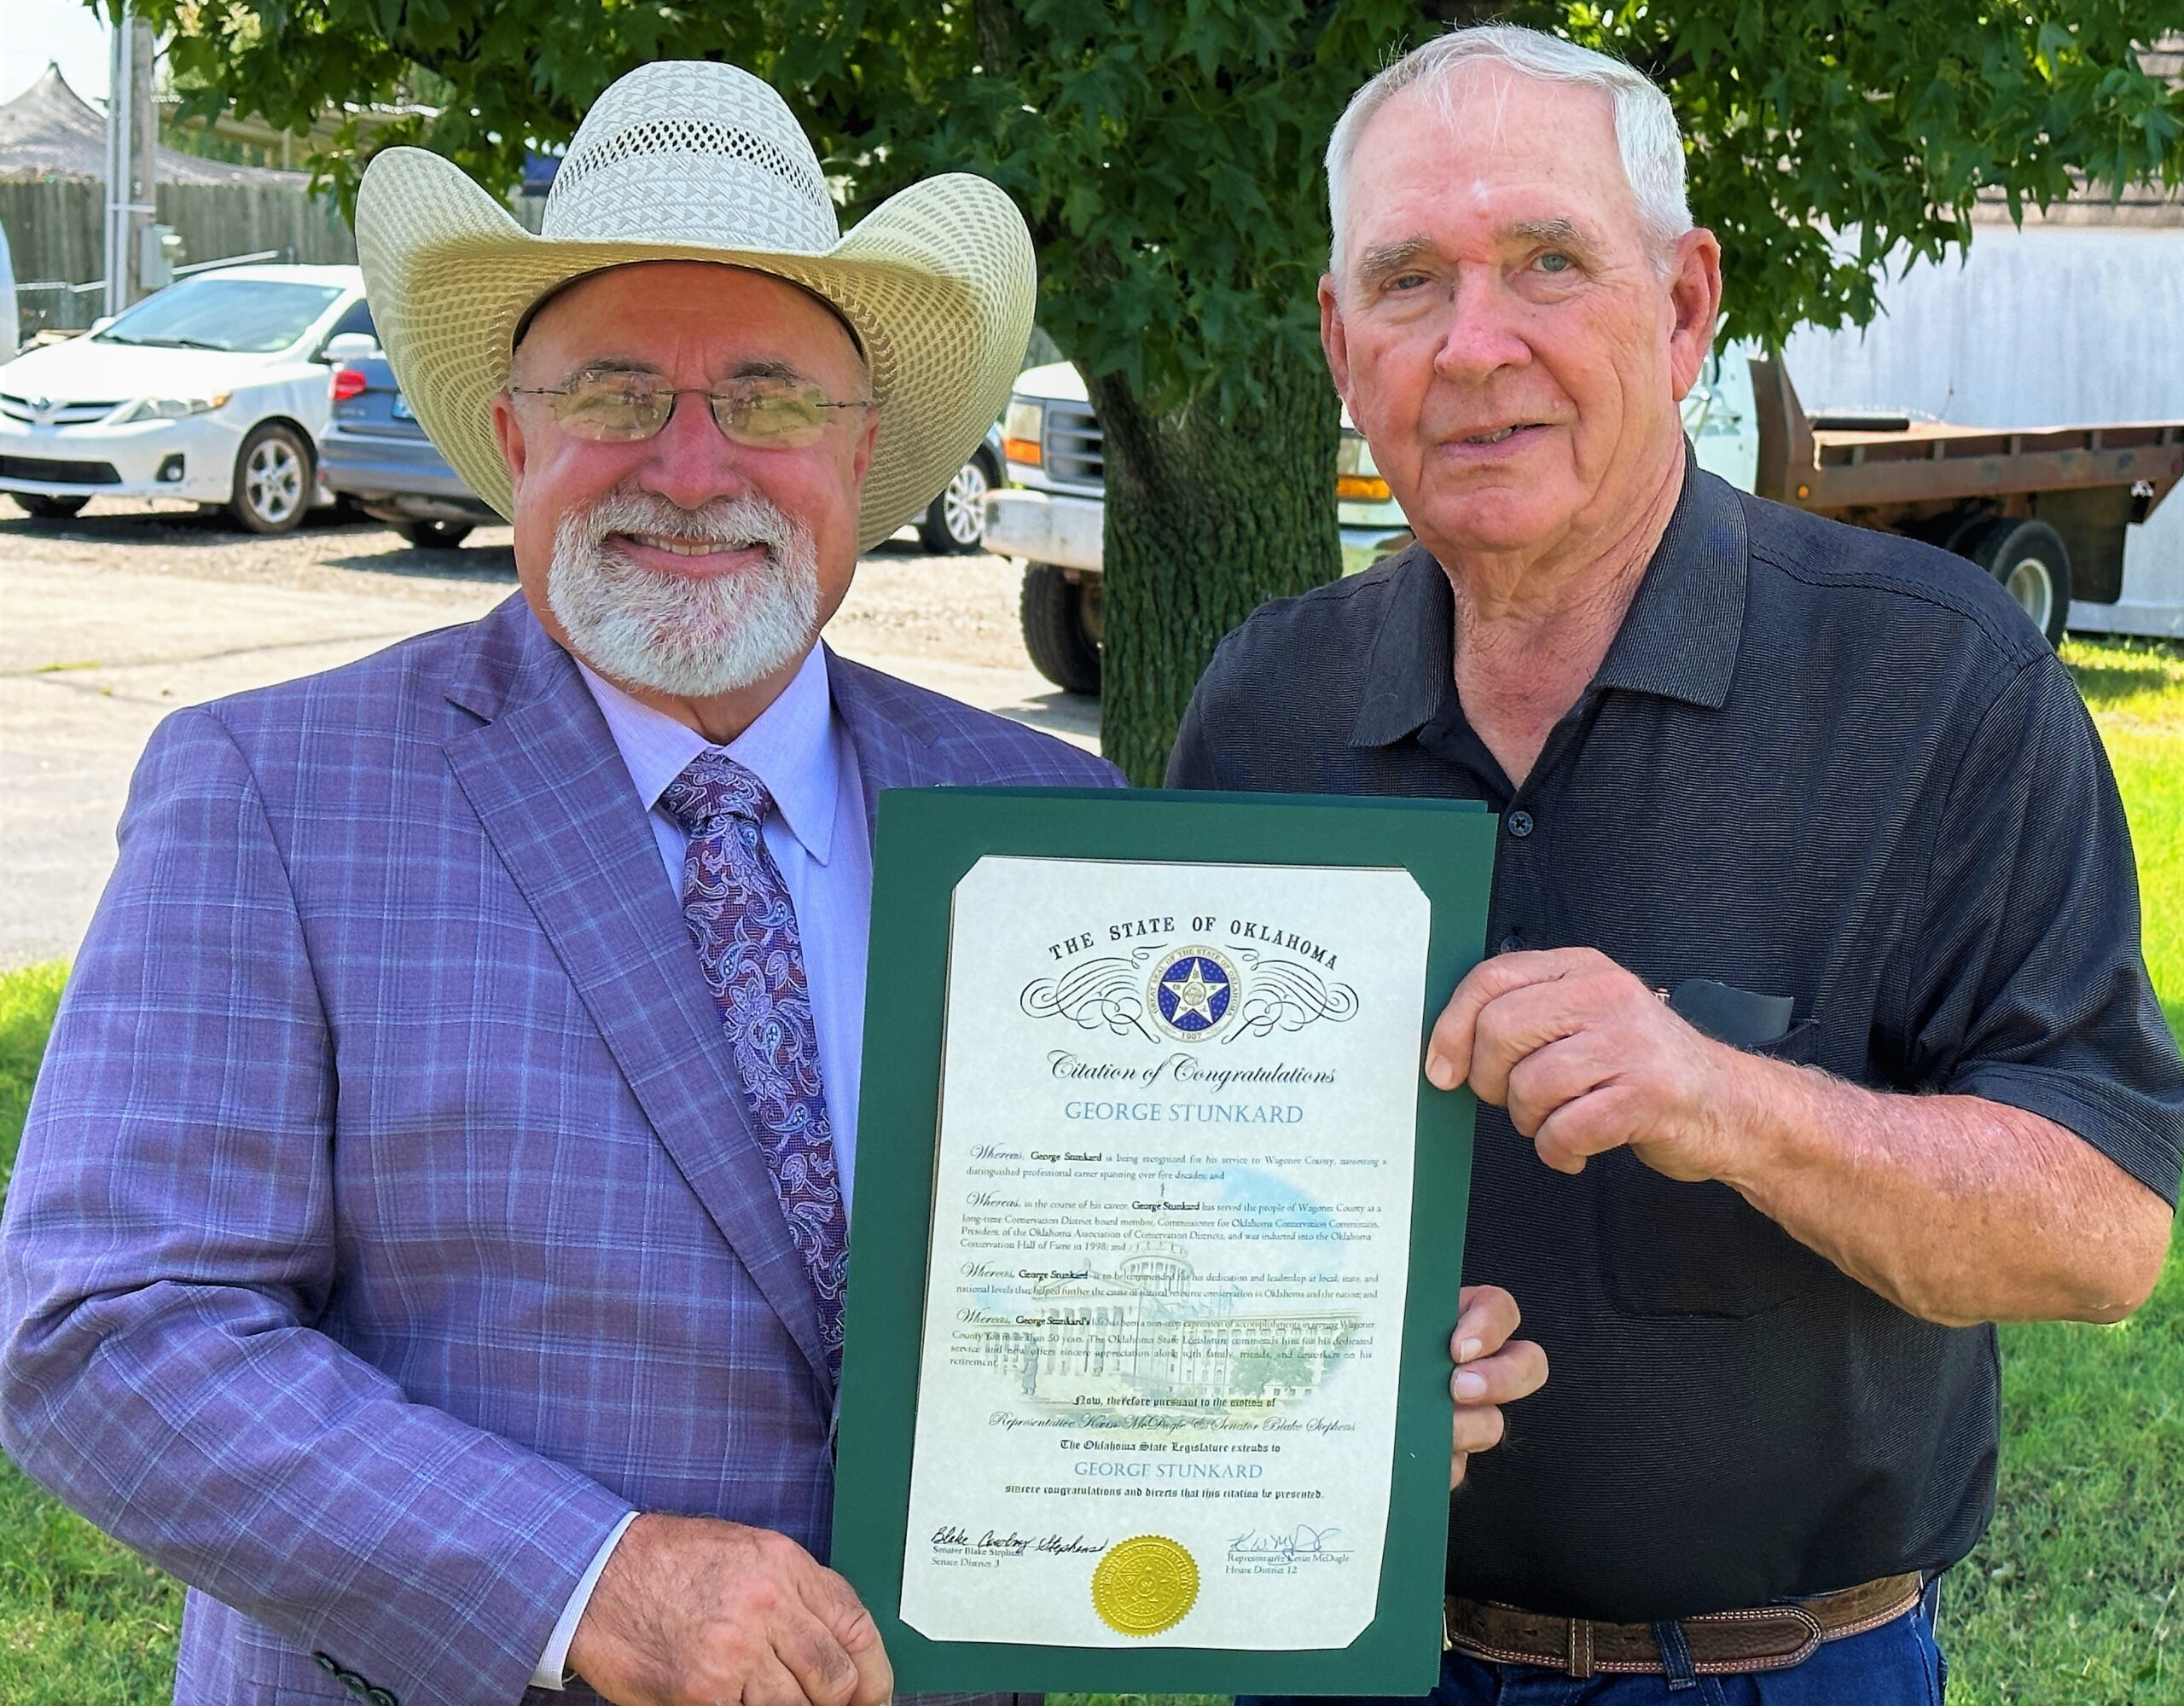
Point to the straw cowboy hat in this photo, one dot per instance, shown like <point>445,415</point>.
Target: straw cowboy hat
<point>689,160</point>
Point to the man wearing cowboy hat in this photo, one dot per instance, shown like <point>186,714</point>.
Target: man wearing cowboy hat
<point>405,1206</point>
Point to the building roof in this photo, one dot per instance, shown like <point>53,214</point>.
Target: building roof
<point>49,130</point>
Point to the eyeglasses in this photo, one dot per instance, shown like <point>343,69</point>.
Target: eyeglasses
<point>622,408</point>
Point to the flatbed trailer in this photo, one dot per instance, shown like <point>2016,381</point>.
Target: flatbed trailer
<point>2042,511</point>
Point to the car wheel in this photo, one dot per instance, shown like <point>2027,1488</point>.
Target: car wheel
<point>47,508</point>
<point>2030,559</point>
<point>1061,627</point>
<point>956,519</point>
<point>434,536</point>
<point>273,480</point>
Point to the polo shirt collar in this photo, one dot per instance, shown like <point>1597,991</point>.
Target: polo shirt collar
<point>1412,670</point>
<point>790,747</point>
<point>1680,636</point>
<point>1678,640</point>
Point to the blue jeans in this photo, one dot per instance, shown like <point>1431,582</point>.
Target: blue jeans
<point>1898,1664</point>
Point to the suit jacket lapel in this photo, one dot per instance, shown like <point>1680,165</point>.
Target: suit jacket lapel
<point>543,774</point>
<point>890,731</point>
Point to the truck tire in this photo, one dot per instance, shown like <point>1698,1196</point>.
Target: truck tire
<point>2028,557</point>
<point>48,507</point>
<point>273,479</point>
<point>1056,634</point>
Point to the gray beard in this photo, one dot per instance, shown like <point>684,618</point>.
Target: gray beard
<point>694,639</point>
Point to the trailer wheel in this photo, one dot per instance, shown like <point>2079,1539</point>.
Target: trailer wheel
<point>1061,627</point>
<point>2029,560</point>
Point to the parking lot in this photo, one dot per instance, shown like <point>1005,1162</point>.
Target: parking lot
<point>109,621</point>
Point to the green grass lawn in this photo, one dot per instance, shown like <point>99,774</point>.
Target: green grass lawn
<point>2073,1594</point>
<point>2072,1599</point>
<point>83,1620</point>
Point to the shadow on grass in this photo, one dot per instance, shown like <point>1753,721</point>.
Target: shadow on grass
<point>2112,670</point>
<point>2104,686</point>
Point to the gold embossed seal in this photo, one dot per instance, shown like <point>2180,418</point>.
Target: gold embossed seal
<point>1145,1585</point>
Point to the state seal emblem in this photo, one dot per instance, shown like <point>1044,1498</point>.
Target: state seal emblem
<point>1145,1585</point>
<point>1192,989</point>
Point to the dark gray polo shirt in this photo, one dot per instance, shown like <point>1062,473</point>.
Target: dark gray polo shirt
<point>1816,762</point>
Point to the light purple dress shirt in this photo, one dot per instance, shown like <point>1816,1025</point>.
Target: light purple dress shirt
<point>817,836</point>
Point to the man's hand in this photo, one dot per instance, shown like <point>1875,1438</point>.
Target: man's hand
<point>692,1611</point>
<point>1585,1057</point>
<point>1491,1369</point>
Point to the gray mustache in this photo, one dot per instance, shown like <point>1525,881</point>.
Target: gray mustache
<point>732,522</point>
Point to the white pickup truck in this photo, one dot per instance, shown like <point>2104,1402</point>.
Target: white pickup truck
<point>1051,516</point>
<point>2044,511</point>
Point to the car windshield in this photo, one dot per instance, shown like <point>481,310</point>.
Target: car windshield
<point>249,315</point>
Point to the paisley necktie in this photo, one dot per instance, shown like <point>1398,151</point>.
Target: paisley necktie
<point>744,926</point>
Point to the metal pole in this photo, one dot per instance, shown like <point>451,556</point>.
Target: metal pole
<point>144,142</point>
<point>119,90</point>
<point>131,135</point>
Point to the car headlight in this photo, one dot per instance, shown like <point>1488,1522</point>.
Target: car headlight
<point>173,407</point>
<point>1022,429</point>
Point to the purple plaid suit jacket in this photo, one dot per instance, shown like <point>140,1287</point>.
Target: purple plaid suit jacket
<point>387,1222</point>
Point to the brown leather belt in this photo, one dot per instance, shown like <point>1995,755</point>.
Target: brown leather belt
<point>1764,1638</point>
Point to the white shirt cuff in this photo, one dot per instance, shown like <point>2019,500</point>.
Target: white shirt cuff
<point>554,1659</point>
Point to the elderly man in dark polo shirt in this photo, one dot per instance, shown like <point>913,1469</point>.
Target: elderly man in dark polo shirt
<point>1816,1036</point>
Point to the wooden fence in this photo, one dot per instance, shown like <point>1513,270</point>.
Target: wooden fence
<point>53,234</point>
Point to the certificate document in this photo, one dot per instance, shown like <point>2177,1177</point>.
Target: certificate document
<point>1159,1228</point>
<point>1171,1237</point>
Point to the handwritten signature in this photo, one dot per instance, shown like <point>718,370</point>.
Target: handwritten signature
<point>1012,1544</point>
<point>1300,1542</point>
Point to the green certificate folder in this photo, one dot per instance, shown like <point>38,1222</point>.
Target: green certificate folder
<point>1158,1235</point>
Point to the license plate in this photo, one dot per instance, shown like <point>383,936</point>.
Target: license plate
<point>401,409</point>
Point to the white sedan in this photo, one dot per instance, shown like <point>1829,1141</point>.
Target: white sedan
<point>213,389</point>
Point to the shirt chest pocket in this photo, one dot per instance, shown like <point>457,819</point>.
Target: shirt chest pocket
<point>1669,1248</point>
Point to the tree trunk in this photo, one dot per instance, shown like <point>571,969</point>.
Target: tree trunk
<point>1207,519</point>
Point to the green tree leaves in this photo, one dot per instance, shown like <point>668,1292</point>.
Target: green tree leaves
<point>1167,152</point>
<point>1825,134</point>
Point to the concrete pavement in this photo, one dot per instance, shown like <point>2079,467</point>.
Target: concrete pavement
<point>96,646</point>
